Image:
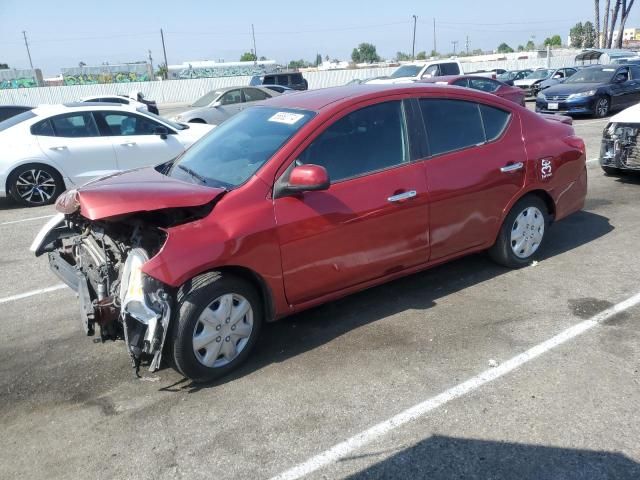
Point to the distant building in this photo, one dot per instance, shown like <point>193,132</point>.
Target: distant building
<point>212,69</point>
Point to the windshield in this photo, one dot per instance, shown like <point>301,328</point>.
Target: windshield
<point>506,76</point>
<point>234,151</point>
<point>538,74</point>
<point>177,126</point>
<point>407,71</point>
<point>592,75</point>
<point>206,99</point>
<point>16,119</point>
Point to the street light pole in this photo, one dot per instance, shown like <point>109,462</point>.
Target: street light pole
<point>455,43</point>
<point>164,51</point>
<point>413,48</point>
<point>26,44</point>
<point>255,52</point>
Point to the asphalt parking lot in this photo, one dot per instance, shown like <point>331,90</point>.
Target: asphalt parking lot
<point>424,377</point>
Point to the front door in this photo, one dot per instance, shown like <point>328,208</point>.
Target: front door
<point>477,165</point>
<point>134,139</point>
<point>373,220</point>
<point>72,142</point>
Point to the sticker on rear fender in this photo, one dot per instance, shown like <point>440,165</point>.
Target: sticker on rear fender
<point>546,168</point>
<point>286,117</point>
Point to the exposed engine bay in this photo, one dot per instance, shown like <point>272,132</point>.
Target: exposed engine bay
<point>101,261</point>
<point>620,147</point>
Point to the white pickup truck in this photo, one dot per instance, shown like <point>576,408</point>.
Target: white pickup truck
<point>412,72</point>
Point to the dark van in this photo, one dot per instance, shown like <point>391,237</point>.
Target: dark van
<point>293,80</point>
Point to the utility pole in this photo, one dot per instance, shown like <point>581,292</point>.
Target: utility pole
<point>164,51</point>
<point>435,48</point>
<point>467,45</point>
<point>26,44</point>
<point>255,52</point>
<point>413,48</point>
<point>150,66</point>
<point>455,43</point>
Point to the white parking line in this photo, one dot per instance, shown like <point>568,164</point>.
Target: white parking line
<point>343,449</point>
<point>593,160</point>
<point>32,293</point>
<point>26,220</point>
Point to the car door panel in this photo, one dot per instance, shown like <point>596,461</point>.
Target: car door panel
<point>352,232</point>
<point>469,191</point>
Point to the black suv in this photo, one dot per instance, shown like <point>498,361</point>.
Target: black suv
<point>293,80</point>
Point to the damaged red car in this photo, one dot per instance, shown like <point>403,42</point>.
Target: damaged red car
<point>303,200</point>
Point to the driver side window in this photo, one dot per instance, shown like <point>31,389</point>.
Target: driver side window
<point>367,140</point>
<point>125,124</point>
<point>231,98</point>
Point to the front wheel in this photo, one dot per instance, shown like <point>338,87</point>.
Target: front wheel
<point>610,171</point>
<point>521,233</point>
<point>35,185</point>
<point>603,105</point>
<point>217,324</point>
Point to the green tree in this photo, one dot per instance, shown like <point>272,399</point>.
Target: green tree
<point>422,55</point>
<point>248,57</point>
<point>401,56</point>
<point>263,58</point>
<point>504,48</point>
<point>590,33</point>
<point>530,46</point>
<point>162,71</point>
<point>520,48</point>
<point>318,59</point>
<point>4,66</point>
<point>298,63</point>
<point>365,53</point>
<point>554,41</point>
<point>434,54</point>
<point>576,35</point>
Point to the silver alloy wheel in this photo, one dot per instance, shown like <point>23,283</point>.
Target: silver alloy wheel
<point>36,186</point>
<point>222,330</point>
<point>527,232</point>
<point>602,107</point>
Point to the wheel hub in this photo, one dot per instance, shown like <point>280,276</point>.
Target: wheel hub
<point>527,232</point>
<point>222,330</point>
<point>35,186</point>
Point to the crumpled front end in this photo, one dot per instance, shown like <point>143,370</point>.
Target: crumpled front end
<point>620,147</point>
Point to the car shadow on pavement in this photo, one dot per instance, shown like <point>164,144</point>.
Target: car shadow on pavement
<point>310,329</point>
<point>9,204</point>
<point>448,458</point>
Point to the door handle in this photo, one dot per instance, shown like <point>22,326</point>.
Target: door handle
<point>128,144</point>
<point>58,149</point>
<point>402,196</point>
<point>512,168</point>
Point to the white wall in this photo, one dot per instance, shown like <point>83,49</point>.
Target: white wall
<point>186,91</point>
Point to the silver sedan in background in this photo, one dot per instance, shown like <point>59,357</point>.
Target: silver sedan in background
<point>218,105</point>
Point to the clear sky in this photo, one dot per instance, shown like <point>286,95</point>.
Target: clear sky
<point>64,32</point>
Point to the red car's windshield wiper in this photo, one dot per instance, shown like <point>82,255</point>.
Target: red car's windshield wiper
<point>195,175</point>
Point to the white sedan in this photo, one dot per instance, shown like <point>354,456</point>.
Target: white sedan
<point>54,147</point>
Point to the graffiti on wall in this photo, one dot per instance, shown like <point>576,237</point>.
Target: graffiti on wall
<point>220,71</point>
<point>22,82</point>
<point>19,78</point>
<point>106,74</point>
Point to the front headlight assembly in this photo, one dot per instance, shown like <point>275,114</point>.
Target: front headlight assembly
<point>541,96</point>
<point>590,93</point>
<point>132,298</point>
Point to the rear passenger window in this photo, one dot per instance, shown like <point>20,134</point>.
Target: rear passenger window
<point>43,129</point>
<point>75,125</point>
<point>495,121</point>
<point>451,124</point>
<point>367,140</point>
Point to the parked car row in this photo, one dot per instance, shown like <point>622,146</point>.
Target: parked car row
<point>294,202</point>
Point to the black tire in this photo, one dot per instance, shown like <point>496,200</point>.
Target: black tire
<point>501,251</point>
<point>34,185</point>
<point>611,171</point>
<point>602,107</point>
<point>192,300</point>
<point>197,120</point>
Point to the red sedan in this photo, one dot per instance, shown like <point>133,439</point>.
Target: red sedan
<point>303,200</point>
<point>483,84</point>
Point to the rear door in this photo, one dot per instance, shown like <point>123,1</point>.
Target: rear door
<point>477,165</point>
<point>373,221</point>
<point>135,141</point>
<point>73,142</point>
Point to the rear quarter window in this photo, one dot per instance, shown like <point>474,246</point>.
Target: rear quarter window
<point>495,121</point>
<point>449,69</point>
<point>43,129</point>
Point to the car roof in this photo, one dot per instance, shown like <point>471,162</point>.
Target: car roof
<point>317,100</point>
<point>54,109</point>
<point>453,78</point>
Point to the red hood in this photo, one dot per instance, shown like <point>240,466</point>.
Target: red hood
<point>140,190</point>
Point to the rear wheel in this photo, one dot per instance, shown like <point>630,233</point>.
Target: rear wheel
<point>35,185</point>
<point>217,324</point>
<point>522,233</point>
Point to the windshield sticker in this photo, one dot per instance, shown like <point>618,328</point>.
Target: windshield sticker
<point>286,117</point>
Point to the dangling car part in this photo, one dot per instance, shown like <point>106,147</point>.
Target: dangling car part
<point>620,149</point>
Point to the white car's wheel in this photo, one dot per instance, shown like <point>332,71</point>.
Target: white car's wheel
<point>35,185</point>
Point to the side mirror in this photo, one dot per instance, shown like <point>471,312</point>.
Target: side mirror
<point>162,131</point>
<point>216,104</point>
<point>303,178</point>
